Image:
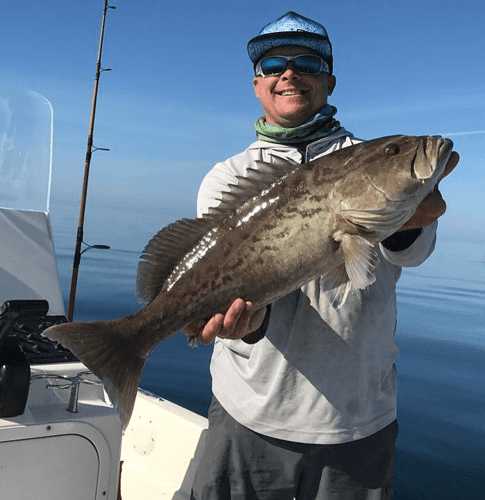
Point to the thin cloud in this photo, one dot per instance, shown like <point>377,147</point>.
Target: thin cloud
<point>470,132</point>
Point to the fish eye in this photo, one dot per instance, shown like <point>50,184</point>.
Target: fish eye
<point>392,149</point>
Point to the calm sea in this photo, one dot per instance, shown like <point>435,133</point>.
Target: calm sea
<point>441,335</point>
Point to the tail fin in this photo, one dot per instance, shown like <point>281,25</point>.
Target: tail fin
<point>105,351</point>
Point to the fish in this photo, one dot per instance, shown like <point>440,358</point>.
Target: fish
<point>278,227</point>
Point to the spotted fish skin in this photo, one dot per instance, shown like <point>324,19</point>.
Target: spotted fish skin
<point>278,228</point>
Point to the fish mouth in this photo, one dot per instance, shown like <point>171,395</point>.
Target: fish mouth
<point>431,157</point>
<point>445,150</point>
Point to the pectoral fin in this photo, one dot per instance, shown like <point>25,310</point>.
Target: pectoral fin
<point>357,271</point>
<point>360,260</point>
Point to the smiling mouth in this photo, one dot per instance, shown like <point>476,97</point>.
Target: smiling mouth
<point>292,92</point>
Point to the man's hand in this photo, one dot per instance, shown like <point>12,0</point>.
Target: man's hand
<point>433,206</point>
<point>239,321</point>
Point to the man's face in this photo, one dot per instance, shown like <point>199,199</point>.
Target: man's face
<point>291,98</point>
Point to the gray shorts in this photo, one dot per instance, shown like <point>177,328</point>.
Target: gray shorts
<point>239,464</point>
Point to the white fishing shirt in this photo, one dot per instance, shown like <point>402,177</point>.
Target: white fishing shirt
<point>320,375</point>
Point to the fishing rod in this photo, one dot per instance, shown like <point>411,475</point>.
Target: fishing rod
<point>90,149</point>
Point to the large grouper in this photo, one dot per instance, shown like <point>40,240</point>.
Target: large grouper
<point>279,227</point>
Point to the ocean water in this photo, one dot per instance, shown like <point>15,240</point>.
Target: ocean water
<point>440,452</point>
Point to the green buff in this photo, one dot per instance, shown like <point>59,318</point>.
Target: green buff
<point>322,124</point>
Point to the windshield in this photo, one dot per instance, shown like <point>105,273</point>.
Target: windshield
<point>25,150</point>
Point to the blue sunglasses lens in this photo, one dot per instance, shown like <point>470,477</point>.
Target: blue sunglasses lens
<point>273,65</point>
<point>308,65</point>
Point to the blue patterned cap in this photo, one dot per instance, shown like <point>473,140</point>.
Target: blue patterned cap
<point>292,29</point>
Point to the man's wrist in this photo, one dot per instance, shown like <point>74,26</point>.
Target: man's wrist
<point>257,335</point>
<point>401,240</point>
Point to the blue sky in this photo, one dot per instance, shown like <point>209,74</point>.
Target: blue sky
<point>180,98</point>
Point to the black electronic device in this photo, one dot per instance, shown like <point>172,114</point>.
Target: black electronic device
<point>21,345</point>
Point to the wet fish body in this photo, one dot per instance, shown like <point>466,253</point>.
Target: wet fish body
<point>279,227</point>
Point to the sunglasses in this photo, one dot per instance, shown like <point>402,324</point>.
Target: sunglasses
<point>306,64</point>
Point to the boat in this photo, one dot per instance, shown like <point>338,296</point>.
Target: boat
<point>60,437</point>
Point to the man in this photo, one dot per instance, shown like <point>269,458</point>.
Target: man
<point>304,394</point>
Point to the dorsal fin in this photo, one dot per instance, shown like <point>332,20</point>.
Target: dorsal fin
<point>168,247</point>
<point>164,251</point>
<point>252,184</point>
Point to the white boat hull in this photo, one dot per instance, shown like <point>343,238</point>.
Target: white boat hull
<point>160,451</point>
